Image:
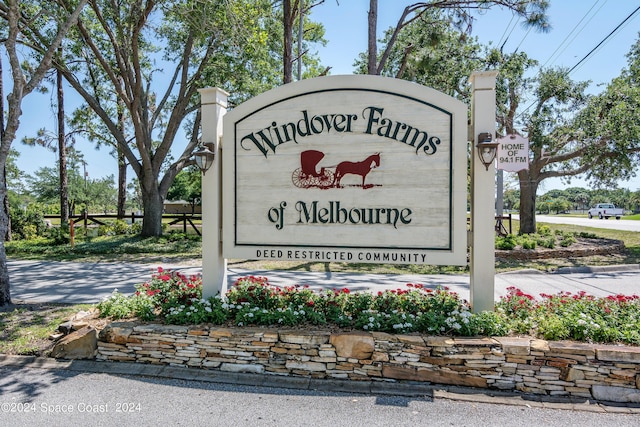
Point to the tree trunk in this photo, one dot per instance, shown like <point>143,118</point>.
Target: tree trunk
<point>122,166</point>
<point>153,205</point>
<point>5,206</point>
<point>288,43</point>
<point>122,184</point>
<point>62,155</point>
<point>528,190</point>
<point>5,292</point>
<point>372,63</point>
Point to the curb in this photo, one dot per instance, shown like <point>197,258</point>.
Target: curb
<point>404,388</point>
<point>598,269</point>
<point>573,270</point>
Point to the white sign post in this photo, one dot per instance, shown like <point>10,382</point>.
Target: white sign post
<point>482,263</point>
<point>214,266</point>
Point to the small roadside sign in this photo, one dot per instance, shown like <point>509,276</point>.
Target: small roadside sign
<point>513,153</point>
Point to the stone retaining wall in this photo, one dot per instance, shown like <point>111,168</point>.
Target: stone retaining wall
<point>603,372</point>
<point>585,248</point>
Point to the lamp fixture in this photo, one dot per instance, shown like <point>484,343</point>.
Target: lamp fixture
<point>205,156</point>
<point>487,149</point>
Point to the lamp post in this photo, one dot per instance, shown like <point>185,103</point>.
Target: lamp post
<point>486,149</point>
<point>205,156</point>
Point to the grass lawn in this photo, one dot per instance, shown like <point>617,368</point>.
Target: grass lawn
<point>25,328</point>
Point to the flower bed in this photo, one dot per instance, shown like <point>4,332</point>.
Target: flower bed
<point>176,299</point>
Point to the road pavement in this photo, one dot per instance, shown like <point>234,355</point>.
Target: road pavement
<point>73,282</point>
<point>41,392</point>
<point>611,223</point>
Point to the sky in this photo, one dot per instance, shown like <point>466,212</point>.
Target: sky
<point>577,26</point>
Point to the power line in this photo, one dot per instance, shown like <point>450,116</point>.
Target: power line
<point>604,44</point>
<point>584,58</point>
<point>574,29</point>
<point>521,41</point>
<point>508,35</point>
<point>513,15</point>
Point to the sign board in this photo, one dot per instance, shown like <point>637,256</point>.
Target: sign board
<point>346,168</point>
<point>513,153</point>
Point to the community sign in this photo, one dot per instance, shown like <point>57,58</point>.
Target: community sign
<point>347,169</point>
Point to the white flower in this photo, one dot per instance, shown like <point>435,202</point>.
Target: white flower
<point>208,309</point>
<point>371,319</point>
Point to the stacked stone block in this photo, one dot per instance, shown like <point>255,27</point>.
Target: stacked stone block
<point>561,368</point>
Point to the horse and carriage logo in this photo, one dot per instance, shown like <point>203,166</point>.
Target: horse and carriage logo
<point>307,176</point>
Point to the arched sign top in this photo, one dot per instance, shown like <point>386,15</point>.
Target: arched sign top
<point>346,168</point>
<point>398,87</point>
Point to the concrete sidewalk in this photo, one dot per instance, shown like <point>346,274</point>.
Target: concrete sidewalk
<point>73,282</point>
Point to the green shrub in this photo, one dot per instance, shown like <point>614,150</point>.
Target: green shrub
<point>567,240</point>
<point>548,242</point>
<point>529,244</point>
<point>543,230</point>
<point>119,306</point>
<point>135,228</point>
<point>27,223</point>
<point>58,235</point>
<point>507,242</point>
<point>587,235</point>
<point>120,227</point>
<point>106,230</point>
